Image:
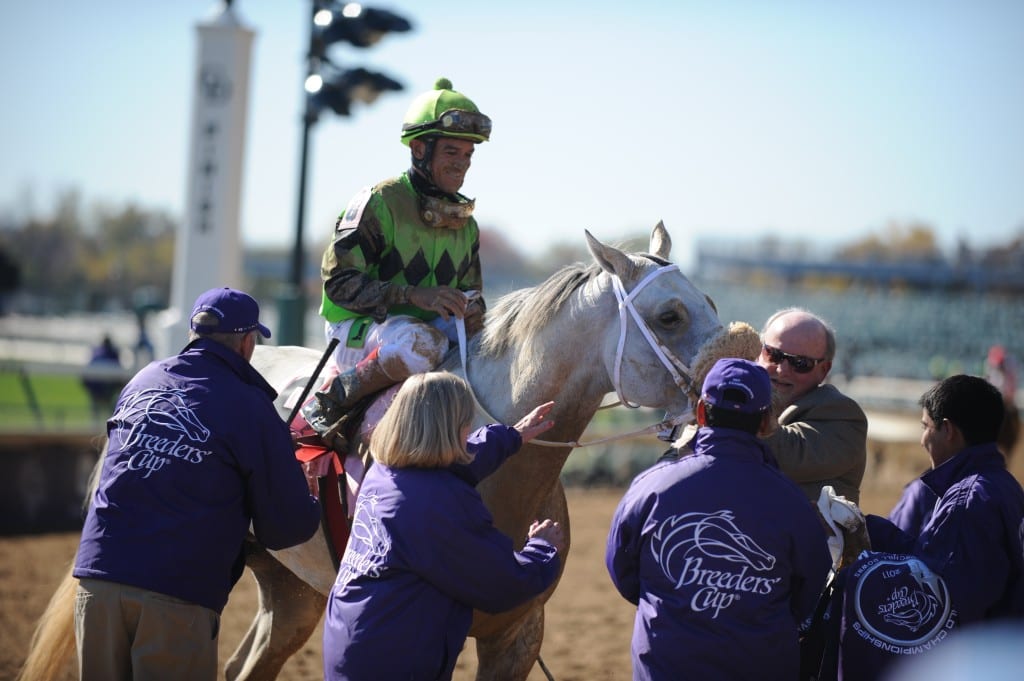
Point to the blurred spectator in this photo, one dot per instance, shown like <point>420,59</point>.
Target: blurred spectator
<point>144,353</point>
<point>1001,371</point>
<point>103,389</point>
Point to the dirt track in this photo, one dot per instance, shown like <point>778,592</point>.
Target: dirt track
<point>588,625</point>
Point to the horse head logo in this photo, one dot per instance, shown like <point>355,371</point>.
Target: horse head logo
<point>914,608</point>
<point>705,535</point>
<point>163,408</point>
<point>368,542</point>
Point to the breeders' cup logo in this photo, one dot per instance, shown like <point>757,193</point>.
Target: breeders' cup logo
<point>154,427</point>
<point>707,554</point>
<point>368,545</point>
<point>901,605</point>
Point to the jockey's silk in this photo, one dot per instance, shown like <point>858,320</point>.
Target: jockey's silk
<point>381,240</point>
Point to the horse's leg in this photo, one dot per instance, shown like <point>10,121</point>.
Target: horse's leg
<point>288,612</point>
<point>510,654</point>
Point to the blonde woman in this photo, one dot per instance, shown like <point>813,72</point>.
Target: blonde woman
<point>424,552</point>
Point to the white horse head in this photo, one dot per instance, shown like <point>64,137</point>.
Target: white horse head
<point>629,323</point>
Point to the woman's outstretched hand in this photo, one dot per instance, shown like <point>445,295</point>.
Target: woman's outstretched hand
<point>536,422</point>
<point>549,531</point>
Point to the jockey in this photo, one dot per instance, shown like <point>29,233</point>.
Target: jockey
<point>404,262</point>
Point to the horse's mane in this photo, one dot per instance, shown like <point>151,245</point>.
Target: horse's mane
<point>517,316</point>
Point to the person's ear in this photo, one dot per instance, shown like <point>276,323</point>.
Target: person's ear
<point>419,148</point>
<point>951,432</point>
<point>702,414</point>
<point>248,345</point>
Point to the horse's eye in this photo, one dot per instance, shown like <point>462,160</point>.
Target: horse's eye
<point>669,318</point>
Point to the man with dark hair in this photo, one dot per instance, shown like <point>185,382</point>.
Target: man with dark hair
<point>197,458</point>
<point>965,565</point>
<point>722,554</point>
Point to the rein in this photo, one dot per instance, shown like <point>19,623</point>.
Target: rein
<point>681,373</point>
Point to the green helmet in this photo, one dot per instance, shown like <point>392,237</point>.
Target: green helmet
<point>445,112</point>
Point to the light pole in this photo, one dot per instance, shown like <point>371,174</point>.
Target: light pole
<point>328,87</point>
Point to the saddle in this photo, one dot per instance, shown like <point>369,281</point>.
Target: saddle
<point>334,476</point>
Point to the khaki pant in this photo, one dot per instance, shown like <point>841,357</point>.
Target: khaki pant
<point>126,633</point>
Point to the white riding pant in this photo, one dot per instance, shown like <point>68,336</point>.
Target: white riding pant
<point>418,345</point>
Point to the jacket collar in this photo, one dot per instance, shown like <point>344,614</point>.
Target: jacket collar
<point>234,361</point>
<point>966,462</point>
<point>732,443</point>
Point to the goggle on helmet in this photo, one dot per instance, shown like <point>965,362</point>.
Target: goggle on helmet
<point>446,113</point>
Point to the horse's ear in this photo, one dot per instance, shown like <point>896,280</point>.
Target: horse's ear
<point>611,259</point>
<point>661,242</point>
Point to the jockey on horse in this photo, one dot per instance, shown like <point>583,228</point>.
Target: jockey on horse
<point>404,262</point>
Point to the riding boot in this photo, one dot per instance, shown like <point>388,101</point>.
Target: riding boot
<point>347,388</point>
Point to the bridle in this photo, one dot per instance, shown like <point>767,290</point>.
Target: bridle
<point>681,373</point>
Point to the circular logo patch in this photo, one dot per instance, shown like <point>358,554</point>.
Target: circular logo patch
<point>900,604</point>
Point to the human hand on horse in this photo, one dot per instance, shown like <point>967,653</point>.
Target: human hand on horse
<point>536,422</point>
<point>549,531</point>
<point>474,317</point>
<point>444,300</point>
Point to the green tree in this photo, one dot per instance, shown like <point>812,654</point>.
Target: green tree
<point>899,242</point>
<point>69,262</point>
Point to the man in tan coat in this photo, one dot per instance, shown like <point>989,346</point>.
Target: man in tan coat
<point>822,434</point>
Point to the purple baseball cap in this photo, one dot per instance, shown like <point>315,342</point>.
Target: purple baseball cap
<point>738,385</point>
<point>236,311</point>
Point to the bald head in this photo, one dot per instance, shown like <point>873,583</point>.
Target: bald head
<point>796,337</point>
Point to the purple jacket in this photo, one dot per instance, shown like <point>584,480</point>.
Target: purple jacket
<point>423,553</point>
<point>971,547</point>
<point>974,537</point>
<point>914,508</point>
<point>724,557</point>
<point>196,452</point>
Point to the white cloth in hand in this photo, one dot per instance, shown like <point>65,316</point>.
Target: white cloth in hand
<point>841,515</point>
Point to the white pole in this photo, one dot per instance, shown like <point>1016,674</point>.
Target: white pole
<point>208,250</point>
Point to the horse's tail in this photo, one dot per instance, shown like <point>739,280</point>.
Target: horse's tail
<point>54,638</point>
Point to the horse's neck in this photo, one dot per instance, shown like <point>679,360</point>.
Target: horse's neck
<point>559,367</point>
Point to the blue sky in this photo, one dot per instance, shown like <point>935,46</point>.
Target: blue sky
<point>821,121</point>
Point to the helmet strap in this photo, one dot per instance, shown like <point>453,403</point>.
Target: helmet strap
<point>438,208</point>
<point>422,167</point>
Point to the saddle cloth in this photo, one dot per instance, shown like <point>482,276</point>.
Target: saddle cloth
<point>334,478</point>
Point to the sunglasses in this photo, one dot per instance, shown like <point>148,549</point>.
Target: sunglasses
<point>800,363</point>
